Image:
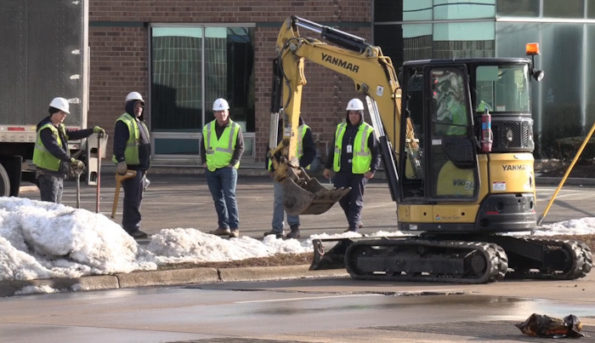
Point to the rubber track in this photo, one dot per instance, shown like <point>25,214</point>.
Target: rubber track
<point>493,255</point>
<point>577,266</point>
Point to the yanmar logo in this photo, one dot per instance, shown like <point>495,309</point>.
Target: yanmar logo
<point>340,63</point>
<point>514,167</point>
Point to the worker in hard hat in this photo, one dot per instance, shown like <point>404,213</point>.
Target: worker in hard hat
<point>51,155</point>
<point>306,153</point>
<point>222,147</point>
<point>353,161</point>
<point>132,151</point>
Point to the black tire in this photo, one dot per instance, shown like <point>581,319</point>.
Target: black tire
<point>4,182</point>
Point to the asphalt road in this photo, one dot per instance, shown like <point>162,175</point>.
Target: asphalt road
<point>184,201</point>
<point>307,310</point>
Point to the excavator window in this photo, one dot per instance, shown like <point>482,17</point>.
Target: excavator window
<point>413,180</point>
<point>502,88</point>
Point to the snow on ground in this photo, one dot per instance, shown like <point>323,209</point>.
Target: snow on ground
<point>46,240</point>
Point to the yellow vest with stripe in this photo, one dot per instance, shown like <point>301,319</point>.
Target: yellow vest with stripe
<point>41,156</point>
<point>300,146</point>
<point>219,151</point>
<point>131,150</point>
<point>362,156</point>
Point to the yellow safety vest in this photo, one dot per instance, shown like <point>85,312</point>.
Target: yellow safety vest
<point>131,150</point>
<point>41,156</point>
<point>219,151</point>
<point>362,157</point>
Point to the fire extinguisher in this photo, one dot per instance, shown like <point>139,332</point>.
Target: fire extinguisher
<point>487,137</point>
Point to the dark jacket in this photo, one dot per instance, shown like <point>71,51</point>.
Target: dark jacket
<point>121,135</point>
<point>348,138</point>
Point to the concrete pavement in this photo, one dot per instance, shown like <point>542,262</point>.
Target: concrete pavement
<point>170,277</point>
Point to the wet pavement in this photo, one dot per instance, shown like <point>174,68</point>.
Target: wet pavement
<point>324,310</point>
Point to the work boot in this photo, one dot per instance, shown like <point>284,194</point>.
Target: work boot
<point>221,231</point>
<point>234,233</point>
<point>273,232</point>
<point>138,234</point>
<point>294,233</point>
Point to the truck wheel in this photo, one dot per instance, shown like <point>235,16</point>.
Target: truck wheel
<point>4,182</point>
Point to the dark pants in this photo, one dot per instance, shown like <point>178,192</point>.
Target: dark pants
<point>222,184</point>
<point>51,187</point>
<point>133,196</point>
<point>353,202</point>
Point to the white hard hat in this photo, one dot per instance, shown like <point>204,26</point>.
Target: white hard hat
<point>355,104</point>
<point>220,105</point>
<point>60,104</point>
<point>134,96</point>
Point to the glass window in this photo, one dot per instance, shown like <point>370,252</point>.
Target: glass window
<point>563,9</point>
<point>590,8</point>
<point>448,102</point>
<point>229,72</point>
<point>176,92</point>
<point>519,8</point>
<point>502,89</point>
<point>559,108</point>
<point>413,185</point>
<point>191,66</point>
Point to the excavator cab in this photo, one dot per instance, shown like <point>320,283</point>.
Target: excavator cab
<point>473,127</point>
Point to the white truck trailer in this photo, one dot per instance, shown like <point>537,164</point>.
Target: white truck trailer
<point>43,54</point>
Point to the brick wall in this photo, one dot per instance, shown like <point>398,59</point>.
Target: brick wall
<point>118,39</point>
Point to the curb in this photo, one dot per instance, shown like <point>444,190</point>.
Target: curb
<point>171,277</point>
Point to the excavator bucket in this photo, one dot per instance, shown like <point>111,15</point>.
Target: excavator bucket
<point>303,194</point>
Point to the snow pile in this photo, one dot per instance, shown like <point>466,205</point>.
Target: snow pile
<point>191,245</point>
<point>45,240</point>
<point>584,226</point>
<point>41,240</point>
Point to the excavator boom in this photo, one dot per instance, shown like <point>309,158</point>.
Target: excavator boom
<point>373,75</point>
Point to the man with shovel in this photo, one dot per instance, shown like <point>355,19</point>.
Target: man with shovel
<point>132,150</point>
<point>51,155</point>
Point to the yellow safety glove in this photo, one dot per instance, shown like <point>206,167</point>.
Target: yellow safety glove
<point>99,130</point>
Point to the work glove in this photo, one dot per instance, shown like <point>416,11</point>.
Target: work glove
<point>99,130</point>
<point>121,168</point>
<point>76,165</point>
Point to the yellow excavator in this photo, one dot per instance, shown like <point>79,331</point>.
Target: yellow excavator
<point>456,138</point>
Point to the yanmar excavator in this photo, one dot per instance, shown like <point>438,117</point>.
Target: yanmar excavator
<point>456,138</point>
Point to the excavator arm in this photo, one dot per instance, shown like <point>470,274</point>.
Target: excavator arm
<point>373,76</point>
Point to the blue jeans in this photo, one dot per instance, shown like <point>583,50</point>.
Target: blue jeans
<point>51,188</point>
<point>222,184</point>
<point>279,211</point>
